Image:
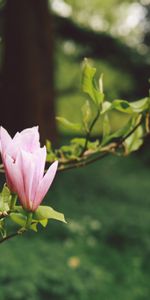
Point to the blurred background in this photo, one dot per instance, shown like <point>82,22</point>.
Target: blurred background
<point>104,250</point>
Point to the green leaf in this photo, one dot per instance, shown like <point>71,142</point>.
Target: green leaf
<point>6,193</point>
<point>66,148</point>
<point>140,105</point>
<point>47,212</point>
<point>33,226</point>
<point>131,107</point>
<point>106,125</point>
<point>88,84</point>
<point>78,141</point>
<point>106,106</point>
<point>122,105</point>
<point>69,125</point>
<point>101,83</point>
<point>119,133</point>
<point>21,219</point>
<point>93,145</point>
<point>81,143</point>
<point>71,151</point>
<point>87,114</point>
<point>126,107</point>
<point>51,156</point>
<point>134,141</point>
<point>43,222</point>
<point>5,199</point>
<point>18,218</point>
<point>48,145</point>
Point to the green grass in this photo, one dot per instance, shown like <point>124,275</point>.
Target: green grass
<point>104,250</point>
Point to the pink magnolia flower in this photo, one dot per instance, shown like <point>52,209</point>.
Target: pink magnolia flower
<point>27,176</point>
<point>24,163</point>
<point>27,140</point>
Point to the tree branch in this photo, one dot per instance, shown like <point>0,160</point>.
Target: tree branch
<point>9,237</point>
<point>109,149</point>
<point>87,156</point>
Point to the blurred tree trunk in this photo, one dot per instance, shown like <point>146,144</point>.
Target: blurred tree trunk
<point>27,80</point>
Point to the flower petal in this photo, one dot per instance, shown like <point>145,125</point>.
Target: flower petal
<point>15,176</point>
<point>5,140</point>
<point>28,139</point>
<point>39,158</point>
<point>27,170</point>
<point>44,185</point>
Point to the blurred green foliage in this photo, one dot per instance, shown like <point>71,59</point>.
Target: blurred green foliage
<point>122,21</point>
<point>125,19</point>
<point>102,253</point>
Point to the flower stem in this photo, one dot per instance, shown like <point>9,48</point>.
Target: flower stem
<point>29,220</point>
<point>13,201</point>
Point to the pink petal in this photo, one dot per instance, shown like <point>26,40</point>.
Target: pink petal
<point>27,170</point>
<point>15,176</point>
<point>13,150</point>
<point>34,130</point>
<point>28,139</point>
<point>44,185</point>
<point>39,158</point>
<point>5,140</point>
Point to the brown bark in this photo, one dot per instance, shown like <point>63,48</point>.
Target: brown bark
<point>27,79</point>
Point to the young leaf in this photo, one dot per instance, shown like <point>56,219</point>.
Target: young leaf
<point>71,151</point>
<point>21,219</point>
<point>5,199</point>
<point>33,226</point>
<point>48,145</point>
<point>101,83</point>
<point>87,114</point>
<point>134,141</point>
<point>119,133</point>
<point>122,105</point>
<point>131,107</point>
<point>81,142</point>
<point>47,212</point>
<point>69,125</point>
<point>140,105</point>
<point>43,222</point>
<point>78,141</point>
<point>89,86</point>
<point>18,218</point>
<point>106,125</point>
<point>106,106</point>
<point>147,123</point>
<point>51,156</point>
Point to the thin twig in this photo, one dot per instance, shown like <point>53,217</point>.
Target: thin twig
<point>83,163</point>
<point>132,131</point>
<point>9,237</point>
<point>89,132</point>
<point>85,160</point>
